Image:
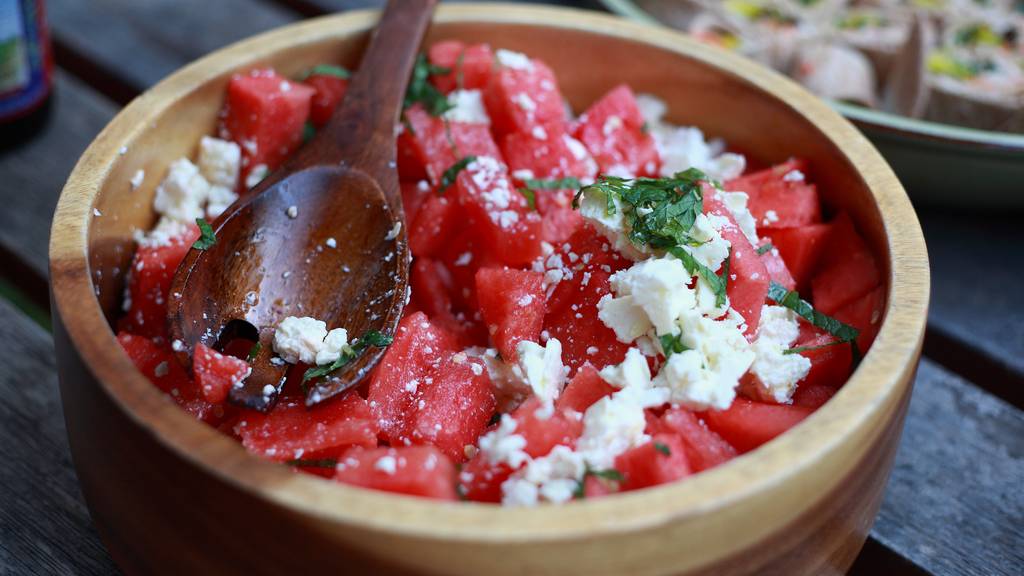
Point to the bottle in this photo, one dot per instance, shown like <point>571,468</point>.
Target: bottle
<point>26,69</point>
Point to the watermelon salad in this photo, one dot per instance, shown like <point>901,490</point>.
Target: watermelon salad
<point>599,302</point>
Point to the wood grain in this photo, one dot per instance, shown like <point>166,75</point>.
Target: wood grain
<point>138,42</point>
<point>698,525</point>
<point>44,525</point>
<point>954,505</point>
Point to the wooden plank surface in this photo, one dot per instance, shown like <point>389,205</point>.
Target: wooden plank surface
<point>33,173</point>
<point>953,505</point>
<point>138,42</point>
<point>977,283</point>
<point>44,525</point>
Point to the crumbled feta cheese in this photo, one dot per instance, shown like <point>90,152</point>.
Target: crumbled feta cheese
<point>616,423</point>
<point>524,101</point>
<point>611,125</point>
<point>386,464</point>
<point>523,174</point>
<point>770,217</point>
<point>539,133</point>
<point>659,287</point>
<point>777,373</point>
<point>794,176</point>
<point>292,212</point>
<point>331,243</point>
<point>594,208</point>
<point>182,193</point>
<point>736,202</point>
<point>256,175</point>
<point>503,446</point>
<point>552,478</point>
<point>165,231</point>
<point>707,374</point>
<point>393,233</point>
<point>633,371</point>
<point>219,200</point>
<point>467,106</point>
<point>516,60</point>
<point>219,161</point>
<point>333,345</point>
<point>299,339</point>
<point>681,148</point>
<point>540,367</point>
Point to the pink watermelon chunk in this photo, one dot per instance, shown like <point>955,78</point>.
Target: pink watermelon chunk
<point>612,129</point>
<point>512,303</point>
<point>470,65</point>
<point>414,470</point>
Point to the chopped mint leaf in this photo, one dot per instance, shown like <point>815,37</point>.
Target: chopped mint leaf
<point>725,269</point>
<point>326,70</point>
<point>531,197</point>
<point>792,300</point>
<point>254,352</point>
<point>802,349</point>
<point>308,131</point>
<point>609,474</point>
<point>319,463</point>
<point>552,183</point>
<point>371,338</point>
<point>662,448</point>
<point>716,282</point>
<point>449,175</point>
<point>206,236</point>
<point>422,91</point>
<point>495,418</point>
<point>764,248</point>
<point>672,344</point>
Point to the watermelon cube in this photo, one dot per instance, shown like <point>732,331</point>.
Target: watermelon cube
<point>438,145</point>
<point>149,281</point>
<point>414,470</point>
<point>512,303</point>
<point>747,284</point>
<point>585,388</point>
<point>453,405</point>
<point>864,314</point>
<point>704,448</point>
<point>659,461</point>
<point>217,373</point>
<point>848,269</point>
<point>813,396</point>
<point>521,95</point>
<point>748,424</point>
<point>293,431</point>
<point>780,197</point>
<point>777,270</point>
<point>800,249</point>
<point>418,347</point>
<point>158,363</point>
<point>612,130</point>
<point>329,91</point>
<point>436,220</point>
<point>830,363</point>
<point>469,65</point>
<point>508,229</point>
<point>265,114</point>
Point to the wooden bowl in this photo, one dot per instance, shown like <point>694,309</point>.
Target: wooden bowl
<point>170,495</point>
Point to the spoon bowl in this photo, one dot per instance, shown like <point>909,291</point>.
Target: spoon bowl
<point>319,237</point>
<point>328,244</point>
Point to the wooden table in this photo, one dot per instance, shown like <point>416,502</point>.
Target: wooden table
<point>954,503</point>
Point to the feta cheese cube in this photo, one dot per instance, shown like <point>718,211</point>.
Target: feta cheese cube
<point>299,339</point>
<point>183,192</point>
<point>467,106</point>
<point>220,161</point>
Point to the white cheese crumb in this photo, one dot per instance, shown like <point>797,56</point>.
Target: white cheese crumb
<point>256,175</point>
<point>777,373</point>
<point>137,178</point>
<point>331,243</point>
<point>467,106</point>
<point>516,60</point>
<point>386,464</point>
<point>395,230</point>
<point>540,367</point>
<point>503,446</point>
<point>183,192</point>
<point>292,212</point>
<point>219,161</point>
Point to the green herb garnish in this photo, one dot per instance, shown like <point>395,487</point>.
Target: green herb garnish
<point>790,299</point>
<point>609,474</point>
<point>672,344</point>
<point>308,131</point>
<point>326,70</point>
<point>254,352</point>
<point>206,236</point>
<point>552,183</point>
<point>764,248</point>
<point>531,197</point>
<point>422,91</point>
<point>662,448</point>
<point>350,353</point>
<point>661,213</point>
<point>802,349</point>
<point>321,463</point>
<point>449,175</point>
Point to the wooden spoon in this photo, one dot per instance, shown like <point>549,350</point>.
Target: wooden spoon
<point>321,236</point>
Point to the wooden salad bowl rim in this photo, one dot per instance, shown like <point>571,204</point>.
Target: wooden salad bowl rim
<point>882,378</point>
